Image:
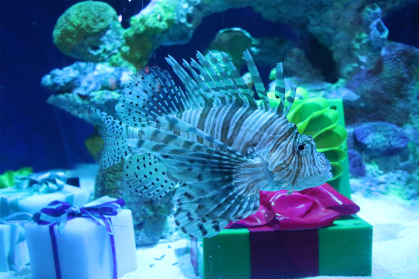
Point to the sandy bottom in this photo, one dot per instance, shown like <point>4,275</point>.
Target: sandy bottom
<point>395,245</point>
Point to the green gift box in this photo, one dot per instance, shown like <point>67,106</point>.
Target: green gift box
<point>343,249</point>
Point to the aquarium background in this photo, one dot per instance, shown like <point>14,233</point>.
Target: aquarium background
<point>35,133</point>
<point>380,175</point>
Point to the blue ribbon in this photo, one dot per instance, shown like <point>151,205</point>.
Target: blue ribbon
<point>48,182</point>
<point>58,213</point>
<point>28,185</point>
<point>16,220</point>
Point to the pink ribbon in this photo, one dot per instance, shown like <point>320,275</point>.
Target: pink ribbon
<point>308,209</point>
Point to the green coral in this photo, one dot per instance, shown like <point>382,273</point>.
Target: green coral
<point>116,60</point>
<point>138,38</point>
<point>81,21</point>
<point>158,20</point>
<point>137,49</point>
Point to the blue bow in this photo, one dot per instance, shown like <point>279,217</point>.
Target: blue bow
<point>48,182</point>
<point>58,213</point>
<point>16,220</point>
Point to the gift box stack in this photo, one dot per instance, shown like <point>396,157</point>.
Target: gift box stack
<point>47,222</point>
<point>310,233</point>
<point>21,195</point>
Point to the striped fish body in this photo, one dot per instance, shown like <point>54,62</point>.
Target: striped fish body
<point>213,144</point>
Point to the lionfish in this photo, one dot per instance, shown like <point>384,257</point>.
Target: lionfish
<point>213,144</point>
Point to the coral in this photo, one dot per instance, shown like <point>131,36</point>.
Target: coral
<point>89,31</point>
<point>266,51</point>
<point>356,164</point>
<point>223,42</point>
<point>145,32</point>
<point>149,215</point>
<point>355,38</point>
<point>83,78</point>
<point>86,84</point>
<point>156,18</point>
<point>378,139</point>
<point>387,92</point>
<point>77,105</point>
<point>137,48</point>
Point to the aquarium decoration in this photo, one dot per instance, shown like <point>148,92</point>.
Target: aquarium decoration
<point>33,192</point>
<point>344,249</point>
<point>82,84</point>
<point>93,241</point>
<point>307,209</point>
<point>89,31</point>
<point>380,139</point>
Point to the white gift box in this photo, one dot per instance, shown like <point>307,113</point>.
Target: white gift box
<point>84,248</point>
<point>9,235</point>
<point>34,203</point>
<point>73,195</point>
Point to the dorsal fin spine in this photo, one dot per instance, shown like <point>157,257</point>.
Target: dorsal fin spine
<point>260,88</point>
<point>290,99</point>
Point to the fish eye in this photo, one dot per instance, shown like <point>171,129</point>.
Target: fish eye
<point>301,147</point>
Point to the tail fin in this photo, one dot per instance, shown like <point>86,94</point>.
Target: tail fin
<point>115,138</point>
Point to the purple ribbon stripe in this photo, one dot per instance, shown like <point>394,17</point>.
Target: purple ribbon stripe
<point>58,213</point>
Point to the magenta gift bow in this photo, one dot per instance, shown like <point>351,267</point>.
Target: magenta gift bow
<point>308,209</point>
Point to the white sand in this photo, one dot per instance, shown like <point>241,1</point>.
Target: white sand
<point>395,244</point>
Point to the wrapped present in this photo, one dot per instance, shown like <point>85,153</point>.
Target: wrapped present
<point>33,192</point>
<point>299,235</point>
<point>13,249</point>
<point>95,241</point>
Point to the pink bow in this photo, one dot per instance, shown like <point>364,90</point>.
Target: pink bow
<point>308,209</point>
